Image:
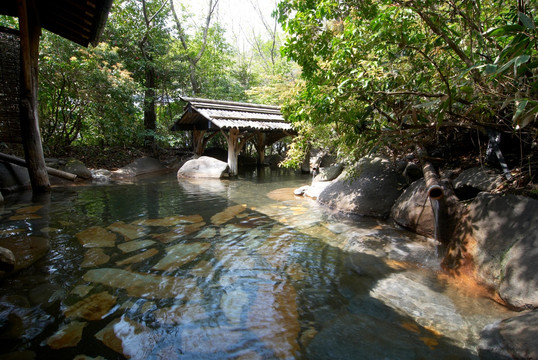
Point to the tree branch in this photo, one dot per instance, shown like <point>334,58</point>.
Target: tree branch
<point>415,93</point>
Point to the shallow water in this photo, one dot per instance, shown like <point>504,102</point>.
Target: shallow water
<point>241,269</point>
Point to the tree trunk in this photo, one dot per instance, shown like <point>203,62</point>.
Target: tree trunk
<point>30,31</point>
<point>150,117</point>
<point>194,81</point>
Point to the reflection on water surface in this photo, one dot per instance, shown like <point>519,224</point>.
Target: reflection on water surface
<point>238,269</point>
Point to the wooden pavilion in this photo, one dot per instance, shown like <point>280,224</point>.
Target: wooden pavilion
<point>81,21</point>
<point>238,122</point>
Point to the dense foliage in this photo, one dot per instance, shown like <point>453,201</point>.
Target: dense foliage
<point>390,74</point>
<point>125,91</point>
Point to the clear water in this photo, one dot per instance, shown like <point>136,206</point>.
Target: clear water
<point>275,277</point>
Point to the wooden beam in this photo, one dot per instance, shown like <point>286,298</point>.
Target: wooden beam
<point>52,171</point>
<point>30,32</point>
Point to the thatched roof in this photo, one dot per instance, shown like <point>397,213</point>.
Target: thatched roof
<point>204,114</point>
<point>81,21</point>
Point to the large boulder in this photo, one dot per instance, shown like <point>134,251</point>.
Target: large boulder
<point>329,173</point>
<point>78,168</point>
<point>413,210</point>
<point>371,191</point>
<point>512,338</point>
<point>474,180</point>
<point>506,253</point>
<point>13,177</point>
<point>203,167</point>
<point>143,166</point>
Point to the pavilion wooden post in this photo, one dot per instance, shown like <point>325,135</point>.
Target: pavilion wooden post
<point>30,31</point>
<point>260,147</point>
<point>198,141</point>
<point>234,148</point>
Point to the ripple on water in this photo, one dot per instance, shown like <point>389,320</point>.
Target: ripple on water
<point>219,270</point>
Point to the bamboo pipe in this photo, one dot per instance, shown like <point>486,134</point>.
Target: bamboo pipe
<point>435,191</point>
<point>51,171</point>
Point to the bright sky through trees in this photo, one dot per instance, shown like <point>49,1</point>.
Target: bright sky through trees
<point>241,18</point>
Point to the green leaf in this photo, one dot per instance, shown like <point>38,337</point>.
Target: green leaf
<point>520,107</point>
<point>527,21</point>
<point>505,66</point>
<point>522,59</point>
<point>429,104</point>
<point>490,69</point>
<point>528,118</point>
<point>504,30</point>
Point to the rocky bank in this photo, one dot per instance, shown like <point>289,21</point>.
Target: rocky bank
<point>489,236</point>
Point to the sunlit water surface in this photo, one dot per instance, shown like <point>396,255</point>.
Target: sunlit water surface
<point>240,269</point>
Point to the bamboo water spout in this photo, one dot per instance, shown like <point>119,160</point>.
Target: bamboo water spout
<point>435,191</point>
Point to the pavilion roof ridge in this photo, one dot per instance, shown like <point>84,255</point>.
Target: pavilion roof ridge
<point>229,105</point>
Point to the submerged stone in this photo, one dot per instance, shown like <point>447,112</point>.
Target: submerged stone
<point>178,232</point>
<point>230,229</point>
<point>92,308</point>
<point>25,249</point>
<point>296,272</point>
<point>227,214</point>
<point>233,258</point>
<point>365,337</point>
<point>171,220</point>
<point>96,236</point>
<point>210,340</point>
<point>20,355</point>
<point>67,336</point>
<point>145,285</point>
<point>85,357</point>
<point>207,233</point>
<point>138,257</point>
<point>233,303</point>
<point>129,231</point>
<point>180,254</point>
<point>81,290</point>
<point>273,317</point>
<point>180,314</point>
<point>129,338</point>
<point>29,209</point>
<point>424,305</point>
<point>24,217</point>
<point>283,194</point>
<point>95,257</point>
<point>203,269</point>
<point>131,246</point>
